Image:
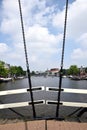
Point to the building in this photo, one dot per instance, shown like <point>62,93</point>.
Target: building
<point>53,72</point>
<point>7,66</point>
<point>82,71</point>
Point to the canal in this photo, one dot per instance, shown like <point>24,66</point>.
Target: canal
<point>42,110</point>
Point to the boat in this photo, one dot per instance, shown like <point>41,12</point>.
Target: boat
<point>75,78</point>
<point>64,76</point>
<point>5,79</point>
<point>20,77</point>
<point>79,78</point>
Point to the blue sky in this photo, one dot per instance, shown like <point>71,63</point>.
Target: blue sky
<point>43,22</point>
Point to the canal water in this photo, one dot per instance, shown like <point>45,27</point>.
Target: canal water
<point>43,111</point>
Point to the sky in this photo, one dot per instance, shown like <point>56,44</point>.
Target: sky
<point>44,25</point>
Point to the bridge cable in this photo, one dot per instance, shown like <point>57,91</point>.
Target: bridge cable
<point>78,109</point>
<point>26,56</point>
<point>62,59</point>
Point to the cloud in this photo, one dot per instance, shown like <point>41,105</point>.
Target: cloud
<point>3,48</point>
<point>83,40</point>
<point>76,30</point>
<point>58,20</point>
<point>41,37</point>
<point>41,44</point>
<point>34,12</point>
<point>44,31</point>
<point>9,54</point>
<point>78,54</point>
<point>79,57</point>
<point>9,26</point>
<point>76,20</point>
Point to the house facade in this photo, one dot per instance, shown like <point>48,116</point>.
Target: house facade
<point>53,72</point>
<point>7,66</point>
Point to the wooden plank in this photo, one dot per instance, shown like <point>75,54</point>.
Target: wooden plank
<point>18,91</point>
<point>71,104</point>
<point>67,90</point>
<point>21,104</point>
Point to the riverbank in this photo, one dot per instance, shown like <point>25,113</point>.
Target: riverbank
<point>44,125</point>
<point>4,80</point>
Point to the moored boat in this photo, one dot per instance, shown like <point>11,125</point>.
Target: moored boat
<point>20,77</point>
<point>79,78</point>
<point>75,78</point>
<point>5,79</point>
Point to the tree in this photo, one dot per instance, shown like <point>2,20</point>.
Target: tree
<point>16,70</point>
<point>73,70</point>
<point>19,71</point>
<point>64,72</point>
<point>2,63</point>
<point>33,73</point>
<point>86,69</point>
<point>12,71</point>
<point>3,71</point>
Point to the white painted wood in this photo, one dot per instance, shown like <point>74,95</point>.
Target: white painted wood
<point>67,90</point>
<point>21,104</point>
<point>71,104</point>
<point>18,91</point>
<point>12,105</point>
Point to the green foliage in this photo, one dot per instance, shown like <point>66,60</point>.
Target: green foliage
<point>73,70</point>
<point>33,73</point>
<point>17,71</point>
<point>2,64</point>
<point>64,72</point>
<point>13,70</point>
<point>3,71</point>
<point>86,69</point>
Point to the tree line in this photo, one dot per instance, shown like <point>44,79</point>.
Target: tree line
<point>18,70</point>
<point>74,70</point>
<point>10,71</point>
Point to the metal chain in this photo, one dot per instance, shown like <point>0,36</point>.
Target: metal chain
<point>62,59</point>
<point>27,64</point>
